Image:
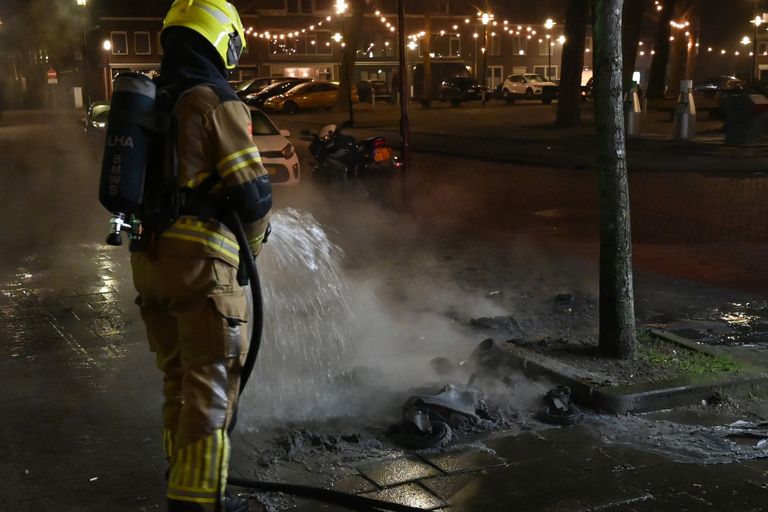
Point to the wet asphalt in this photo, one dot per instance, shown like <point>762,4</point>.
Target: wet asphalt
<point>81,429</point>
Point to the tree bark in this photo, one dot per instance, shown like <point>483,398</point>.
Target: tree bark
<point>678,60</point>
<point>576,21</point>
<point>617,317</point>
<point>632,24</point>
<point>426,48</point>
<point>657,81</point>
<point>351,29</point>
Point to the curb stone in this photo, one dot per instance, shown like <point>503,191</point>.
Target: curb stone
<point>588,391</point>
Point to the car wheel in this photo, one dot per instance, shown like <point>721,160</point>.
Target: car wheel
<point>507,96</point>
<point>546,101</point>
<point>289,107</point>
<point>529,94</point>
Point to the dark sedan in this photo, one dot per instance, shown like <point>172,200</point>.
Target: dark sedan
<point>257,98</point>
<point>461,88</point>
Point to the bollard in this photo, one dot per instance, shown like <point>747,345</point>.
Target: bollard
<point>632,113</point>
<point>685,112</point>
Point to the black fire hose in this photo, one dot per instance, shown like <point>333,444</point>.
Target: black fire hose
<point>350,501</point>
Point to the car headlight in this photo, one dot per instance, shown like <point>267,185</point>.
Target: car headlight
<point>288,151</point>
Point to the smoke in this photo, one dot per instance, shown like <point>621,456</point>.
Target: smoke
<point>360,301</point>
<point>48,183</point>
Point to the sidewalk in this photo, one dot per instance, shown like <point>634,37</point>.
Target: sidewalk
<point>524,133</point>
<point>81,395</point>
<point>81,435</point>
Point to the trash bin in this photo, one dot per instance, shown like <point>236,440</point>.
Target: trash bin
<point>685,112</point>
<point>632,112</point>
<point>746,118</point>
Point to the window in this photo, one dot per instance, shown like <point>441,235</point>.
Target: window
<point>454,45</point>
<point>443,46</point>
<point>542,70</point>
<point>384,6</point>
<point>442,6</point>
<point>119,43</point>
<point>588,44</point>
<point>762,47</point>
<point>141,43</point>
<point>545,47</point>
<point>494,43</point>
<point>323,6</point>
<point>299,6</point>
<point>273,6</point>
<point>379,46</point>
<point>519,45</point>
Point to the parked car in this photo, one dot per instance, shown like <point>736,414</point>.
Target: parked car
<point>277,153</point>
<point>529,86</point>
<point>257,99</point>
<point>722,83</point>
<point>253,85</point>
<point>96,116</point>
<point>439,71</point>
<point>307,96</point>
<point>460,88</point>
<point>368,89</point>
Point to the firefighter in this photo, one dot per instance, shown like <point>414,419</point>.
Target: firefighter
<point>194,307</point>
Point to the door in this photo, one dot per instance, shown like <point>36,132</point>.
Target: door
<point>495,77</point>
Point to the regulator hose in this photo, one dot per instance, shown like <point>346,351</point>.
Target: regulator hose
<point>350,501</point>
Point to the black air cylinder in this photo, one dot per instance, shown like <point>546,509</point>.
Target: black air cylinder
<point>124,167</point>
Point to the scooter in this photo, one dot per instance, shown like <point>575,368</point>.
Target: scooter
<point>340,157</point>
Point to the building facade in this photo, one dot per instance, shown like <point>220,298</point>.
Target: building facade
<point>305,38</point>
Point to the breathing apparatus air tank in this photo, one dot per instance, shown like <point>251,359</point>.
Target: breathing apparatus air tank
<point>130,128</point>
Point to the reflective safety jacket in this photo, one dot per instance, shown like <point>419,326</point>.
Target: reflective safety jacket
<point>213,135</point>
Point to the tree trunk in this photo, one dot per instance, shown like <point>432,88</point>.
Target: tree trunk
<point>426,48</point>
<point>351,29</point>
<point>678,59</point>
<point>617,317</point>
<point>576,21</point>
<point>657,81</point>
<point>632,20</point>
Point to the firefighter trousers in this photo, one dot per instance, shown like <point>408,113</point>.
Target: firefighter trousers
<point>195,314</point>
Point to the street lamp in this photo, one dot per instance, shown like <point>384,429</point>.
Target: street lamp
<point>341,8</point>
<point>485,18</point>
<point>756,22</point>
<point>548,24</point>
<point>106,45</point>
<point>85,96</point>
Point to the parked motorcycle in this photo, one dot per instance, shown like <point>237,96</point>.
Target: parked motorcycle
<point>339,157</point>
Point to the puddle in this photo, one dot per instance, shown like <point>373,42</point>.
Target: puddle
<point>681,442</point>
<point>732,323</point>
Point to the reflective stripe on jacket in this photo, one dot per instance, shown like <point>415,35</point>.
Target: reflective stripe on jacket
<point>213,134</point>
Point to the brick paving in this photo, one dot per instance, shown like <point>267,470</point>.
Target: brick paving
<point>80,401</point>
